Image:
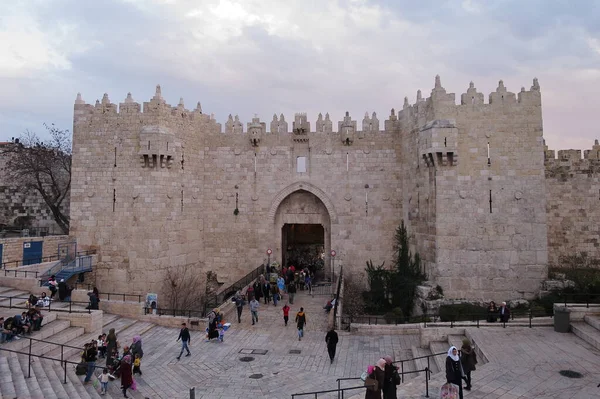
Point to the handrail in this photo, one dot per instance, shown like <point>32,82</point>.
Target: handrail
<point>89,287</point>
<point>341,391</point>
<point>174,312</point>
<point>218,299</point>
<point>435,318</point>
<point>48,342</point>
<point>43,259</point>
<point>337,296</point>
<point>47,308</point>
<point>25,272</point>
<point>61,360</point>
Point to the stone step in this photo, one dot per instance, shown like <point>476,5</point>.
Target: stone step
<point>69,387</point>
<point>38,373</point>
<point>587,333</point>
<point>32,384</point>
<point>439,347</point>
<point>420,364</point>
<point>18,298</point>
<point>19,382</point>
<point>56,380</point>
<point>593,321</point>
<point>76,382</point>
<point>46,332</point>
<point>51,347</point>
<point>7,385</point>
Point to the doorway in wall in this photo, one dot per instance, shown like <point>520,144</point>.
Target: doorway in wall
<point>303,245</point>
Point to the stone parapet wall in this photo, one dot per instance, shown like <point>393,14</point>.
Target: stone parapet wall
<point>91,322</point>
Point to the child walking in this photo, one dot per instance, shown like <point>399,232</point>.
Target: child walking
<point>136,364</point>
<point>286,313</point>
<point>104,381</point>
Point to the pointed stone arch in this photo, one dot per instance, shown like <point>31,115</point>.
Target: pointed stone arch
<point>311,188</point>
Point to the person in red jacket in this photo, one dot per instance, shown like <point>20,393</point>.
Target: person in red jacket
<point>286,313</point>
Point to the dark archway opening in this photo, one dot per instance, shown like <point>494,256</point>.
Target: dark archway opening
<point>303,246</point>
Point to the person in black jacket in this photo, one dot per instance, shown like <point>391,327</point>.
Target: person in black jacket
<point>90,358</point>
<point>184,335</point>
<point>332,339</point>
<point>454,370</point>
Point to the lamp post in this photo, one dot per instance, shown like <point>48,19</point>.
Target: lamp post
<point>269,252</point>
<point>333,253</point>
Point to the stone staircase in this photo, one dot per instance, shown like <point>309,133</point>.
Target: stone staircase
<point>588,330</point>
<point>47,375</point>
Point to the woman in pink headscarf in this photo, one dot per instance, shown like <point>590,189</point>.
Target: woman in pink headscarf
<point>391,379</point>
<point>377,373</point>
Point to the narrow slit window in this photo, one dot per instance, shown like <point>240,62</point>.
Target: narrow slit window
<point>488,154</point>
<point>115,165</point>
<point>490,201</point>
<point>301,164</point>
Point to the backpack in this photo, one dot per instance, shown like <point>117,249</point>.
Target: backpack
<point>81,368</point>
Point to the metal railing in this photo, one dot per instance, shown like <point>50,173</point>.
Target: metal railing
<point>340,391</point>
<point>24,273</point>
<point>62,360</point>
<point>428,357</point>
<point>217,299</point>
<point>580,299</point>
<point>476,318</point>
<point>42,259</point>
<point>18,302</point>
<point>80,264</point>
<point>174,312</point>
<point>337,297</point>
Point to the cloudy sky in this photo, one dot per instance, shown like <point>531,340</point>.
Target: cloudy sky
<point>262,57</point>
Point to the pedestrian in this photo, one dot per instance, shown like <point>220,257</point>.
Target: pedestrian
<point>126,374</point>
<point>292,291</point>
<point>90,358</point>
<point>504,313</point>
<point>104,381</point>
<point>391,379</point>
<point>376,375</point>
<point>136,347</point>
<point>184,335</point>
<point>275,293</point>
<point>254,304</point>
<point>257,288</point>
<point>266,291</point>
<point>239,304</point>
<point>308,283</point>
<point>281,284</point>
<point>300,323</point>
<point>331,339</point>
<point>52,285</point>
<point>286,313</point>
<point>454,370</point>
<point>137,364</point>
<point>468,359</point>
<point>492,312</point>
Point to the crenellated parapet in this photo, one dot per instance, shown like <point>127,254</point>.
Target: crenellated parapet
<point>567,163</point>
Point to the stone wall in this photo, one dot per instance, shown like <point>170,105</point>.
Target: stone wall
<point>12,248</point>
<point>573,186</point>
<point>26,207</point>
<point>157,189</point>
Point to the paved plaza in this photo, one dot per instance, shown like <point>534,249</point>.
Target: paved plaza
<point>521,362</point>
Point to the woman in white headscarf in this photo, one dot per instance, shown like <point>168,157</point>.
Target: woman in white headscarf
<point>454,370</point>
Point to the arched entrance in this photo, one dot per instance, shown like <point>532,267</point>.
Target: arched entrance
<point>302,227</point>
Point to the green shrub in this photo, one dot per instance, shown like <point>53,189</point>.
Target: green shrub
<point>462,312</point>
<point>396,316</point>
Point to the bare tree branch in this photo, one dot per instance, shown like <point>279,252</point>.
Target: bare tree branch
<point>42,167</point>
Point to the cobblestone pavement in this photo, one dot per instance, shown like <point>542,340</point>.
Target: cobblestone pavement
<point>216,371</point>
<point>523,362</point>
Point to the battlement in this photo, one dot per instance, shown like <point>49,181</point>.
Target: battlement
<point>416,115</point>
<point>570,161</point>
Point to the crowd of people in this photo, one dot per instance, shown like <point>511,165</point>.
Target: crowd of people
<point>384,377</point>
<point>118,365</point>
